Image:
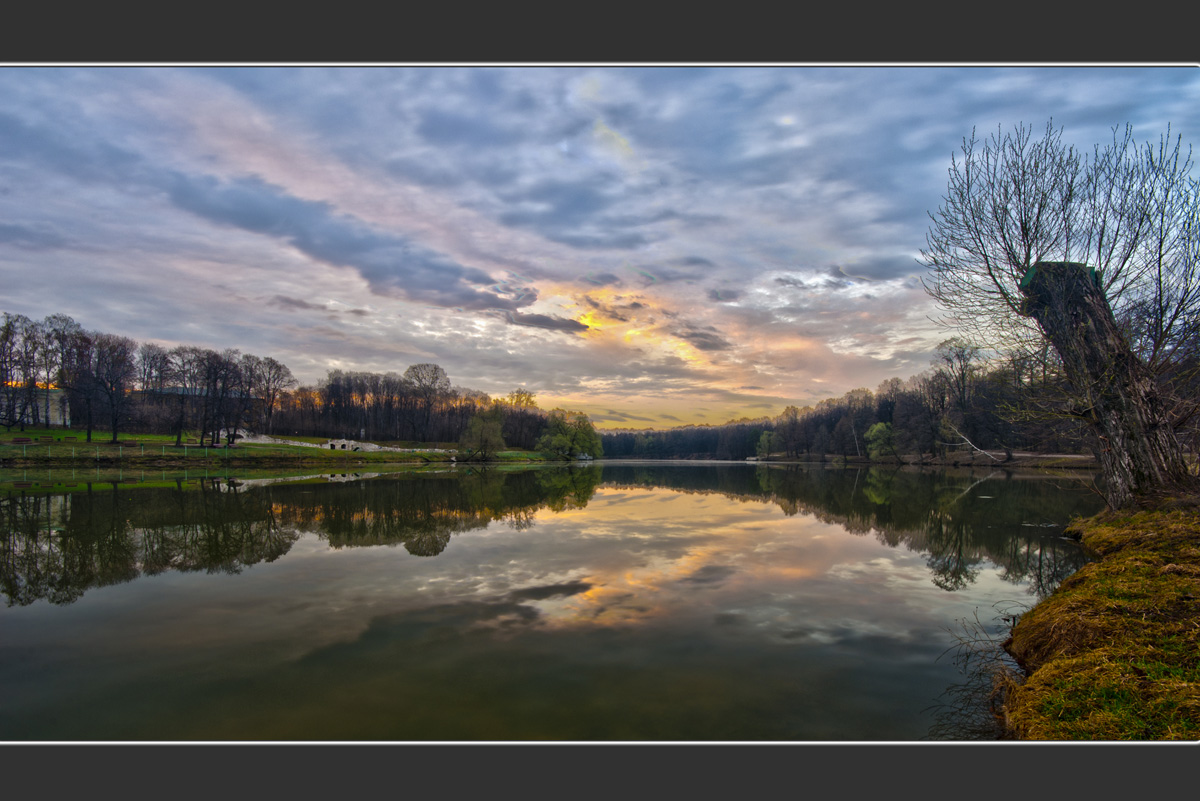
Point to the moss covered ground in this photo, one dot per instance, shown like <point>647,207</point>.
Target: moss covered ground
<point>1114,653</point>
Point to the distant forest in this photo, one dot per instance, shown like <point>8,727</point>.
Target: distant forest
<point>54,368</point>
<point>963,403</point>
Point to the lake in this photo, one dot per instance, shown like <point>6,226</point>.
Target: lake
<point>604,602</point>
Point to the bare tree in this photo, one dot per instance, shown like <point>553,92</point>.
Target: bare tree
<point>46,359</point>
<point>63,332</point>
<point>222,388</point>
<point>959,360</point>
<point>77,373</point>
<point>25,350</point>
<point>114,373</point>
<point>186,371</point>
<point>12,377</point>
<point>275,379</point>
<point>429,383</point>
<point>153,365</point>
<point>1036,242</point>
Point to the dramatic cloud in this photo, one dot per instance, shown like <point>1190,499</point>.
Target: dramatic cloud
<point>653,246</point>
<point>390,263</point>
<point>704,338</point>
<point>545,321</point>
<point>284,302</point>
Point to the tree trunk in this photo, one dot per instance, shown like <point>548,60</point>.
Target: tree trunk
<point>180,420</point>
<point>115,417</point>
<point>1117,394</point>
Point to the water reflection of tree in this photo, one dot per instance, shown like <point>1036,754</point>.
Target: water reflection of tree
<point>422,513</point>
<point>59,547</point>
<point>28,543</point>
<point>958,518</point>
<point>953,560</point>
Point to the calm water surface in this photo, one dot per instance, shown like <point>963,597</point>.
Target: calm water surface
<point>609,602</point>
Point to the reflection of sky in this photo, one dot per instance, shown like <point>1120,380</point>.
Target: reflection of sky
<point>680,585</point>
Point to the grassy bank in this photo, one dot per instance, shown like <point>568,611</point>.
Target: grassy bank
<point>1114,653</point>
<point>56,448</point>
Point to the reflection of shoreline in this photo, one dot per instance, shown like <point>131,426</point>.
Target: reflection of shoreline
<point>56,547</point>
<point>333,478</point>
<point>946,514</point>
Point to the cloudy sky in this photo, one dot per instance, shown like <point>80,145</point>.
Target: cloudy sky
<point>653,246</point>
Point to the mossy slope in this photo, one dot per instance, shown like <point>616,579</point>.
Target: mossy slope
<point>1114,654</point>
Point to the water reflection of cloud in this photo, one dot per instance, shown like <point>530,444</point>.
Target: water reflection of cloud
<point>884,570</point>
<point>647,604</point>
<point>549,591</point>
<point>676,544</point>
<point>709,575</point>
<point>634,557</point>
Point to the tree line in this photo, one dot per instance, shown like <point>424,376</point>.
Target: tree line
<point>964,402</point>
<point>421,405</point>
<point>53,371</point>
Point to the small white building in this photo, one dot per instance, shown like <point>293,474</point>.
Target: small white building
<point>58,413</point>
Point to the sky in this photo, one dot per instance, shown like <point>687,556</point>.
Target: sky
<point>653,245</point>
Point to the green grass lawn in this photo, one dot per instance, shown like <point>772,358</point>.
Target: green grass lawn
<point>39,446</point>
